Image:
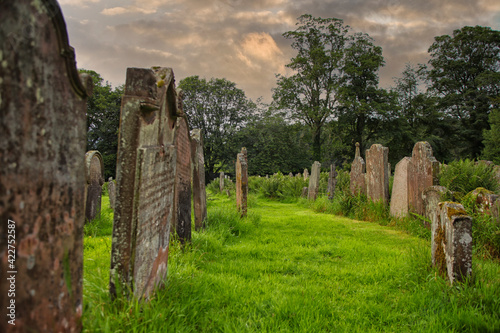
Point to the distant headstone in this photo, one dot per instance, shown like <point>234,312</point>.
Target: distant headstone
<point>332,181</point>
<point>306,174</point>
<point>145,179</point>
<point>313,189</point>
<point>377,181</point>
<point>242,181</point>
<point>94,167</point>
<point>182,195</point>
<point>452,241</point>
<point>358,182</point>
<point>432,196</point>
<point>399,196</point>
<point>221,181</point>
<point>228,193</point>
<point>305,190</point>
<point>423,170</point>
<point>112,192</point>
<point>199,192</point>
<point>290,175</point>
<point>42,173</point>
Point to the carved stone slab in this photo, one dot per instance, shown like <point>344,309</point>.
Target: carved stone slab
<point>313,187</point>
<point>377,180</point>
<point>94,167</point>
<point>242,181</point>
<point>199,192</point>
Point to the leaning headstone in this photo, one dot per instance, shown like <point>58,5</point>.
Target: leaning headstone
<point>221,181</point>
<point>452,241</point>
<point>182,196</point>
<point>358,182</point>
<point>242,181</point>
<point>112,192</point>
<point>377,180</point>
<point>332,181</point>
<point>432,196</point>
<point>306,174</point>
<point>199,192</point>
<point>422,173</point>
<point>94,167</point>
<point>42,174</point>
<point>483,200</point>
<point>313,188</point>
<point>399,196</point>
<point>145,178</point>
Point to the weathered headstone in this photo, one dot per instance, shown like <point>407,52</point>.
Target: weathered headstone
<point>42,174</point>
<point>112,192</point>
<point>358,181</point>
<point>452,241</point>
<point>221,181</point>
<point>483,200</point>
<point>332,181</point>
<point>242,181</point>
<point>431,197</point>
<point>290,175</point>
<point>423,170</point>
<point>305,190</point>
<point>399,196</point>
<point>182,196</point>
<point>377,181</point>
<point>145,177</point>
<point>199,192</point>
<point>313,188</point>
<point>306,174</point>
<point>94,171</point>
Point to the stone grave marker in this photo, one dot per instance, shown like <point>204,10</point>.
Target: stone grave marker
<point>306,174</point>
<point>423,170</point>
<point>242,181</point>
<point>399,196</point>
<point>358,182</point>
<point>112,192</point>
<point>313,188</point>
<point>377,181</point>
<point>199,192</point>
<point>305,190</point>
<point>94,167</point>
<point>332,182</point>
<point>431,198</point>
<point>452,241</point>
<point>145,179</point>
<point>221,181</point>
<point>42,174</point>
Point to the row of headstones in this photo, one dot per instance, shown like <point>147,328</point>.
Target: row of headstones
<point>45,180</point>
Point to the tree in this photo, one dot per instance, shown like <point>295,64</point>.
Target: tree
<point>492,138</point>
<point>310,94</point>
<point>219,109</point>
<point>103,120</point>
<point>464,75</point>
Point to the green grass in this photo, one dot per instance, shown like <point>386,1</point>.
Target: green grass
<point>286,268</point>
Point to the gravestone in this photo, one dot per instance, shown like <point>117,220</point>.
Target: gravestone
<point>332,181</point>
<point>242,181</point>
<point>399,196</point>
<point>221,181</point>
<point>94,171</point>
<point>432,196</point>
<point>145,178</point>
<point>305,190</point>
<point>313,188</point>
<point>111,192</point>
<point>358,182</point>
<point>423,170</point>
<point>290,175</point>
<point>42,174</point>
<point>377,180</point>
<point>182,196</point>
<point>452,241</point>
<point>199,192</point>
<point>306,174</point>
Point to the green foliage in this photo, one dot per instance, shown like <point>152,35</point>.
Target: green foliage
<point>463,176</point>
<point>492,138</point>
<point>281,187</point>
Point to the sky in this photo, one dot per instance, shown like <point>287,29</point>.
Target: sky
<point>242,41</point>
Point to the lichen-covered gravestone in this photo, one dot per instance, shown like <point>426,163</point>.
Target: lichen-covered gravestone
<point>145,177</point>
<point>112,192</point>
<point>221,181</point>
<point>399,196</point>
<point>313,188</point>
<point>423,170</point>
<point>377,180</point>
<point>42,174</point>
<point>306,174</point>
<point>332,181</point>
<point>242,181</point>
<point>452,241</point>
<point>432,196</point>
<point>199,192</point>
<point>358,182</point>
<point>94,168</point>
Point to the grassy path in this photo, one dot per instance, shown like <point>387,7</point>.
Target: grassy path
<point>299,271</point>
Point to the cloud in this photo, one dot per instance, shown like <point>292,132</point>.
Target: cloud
<point>126,10</point>
<point>77,3</point>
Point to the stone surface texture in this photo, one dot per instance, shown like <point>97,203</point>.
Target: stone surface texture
<point>42,174</point>
<point>358,175</point>
<point>399,196</point>
<point>199,191</point>
<point>313,187</point>
<point>432,197</point>
<point>112,192</point>
<point>377,181</point>
<point>221,181</point>
<point>332,182</point>
<point>242,181</point>
<point>94,173</point>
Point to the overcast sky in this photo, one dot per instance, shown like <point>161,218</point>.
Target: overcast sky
<point>241,40</point>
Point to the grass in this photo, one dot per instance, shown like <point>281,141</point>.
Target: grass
<point>286,268</point>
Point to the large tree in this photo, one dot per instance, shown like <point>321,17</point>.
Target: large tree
<point>465,71</point>
<point>219,109</point>
<point>310,93</point>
